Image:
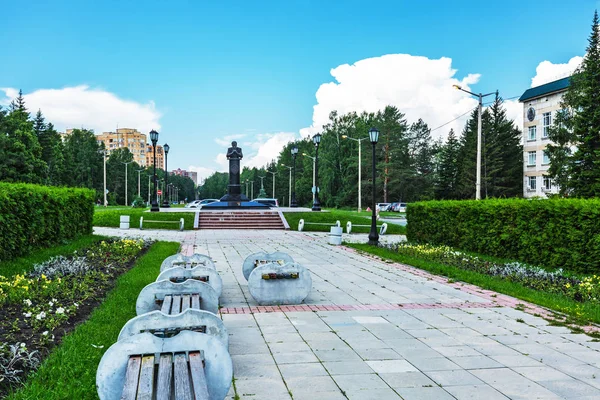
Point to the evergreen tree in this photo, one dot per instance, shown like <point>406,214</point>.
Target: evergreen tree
<point>83,161</point>
<point>467,163</point>
<point>577,127</point>
<point>448,168</point>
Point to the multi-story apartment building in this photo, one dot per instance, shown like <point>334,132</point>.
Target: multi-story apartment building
<point>160,156</point>
<point>132,139</point>
<point>540,105</point>
<point>190,174</point>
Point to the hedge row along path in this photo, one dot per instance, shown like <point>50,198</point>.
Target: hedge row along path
<point>372,329</point>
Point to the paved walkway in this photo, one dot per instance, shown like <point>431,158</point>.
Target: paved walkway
<point>377,330</point>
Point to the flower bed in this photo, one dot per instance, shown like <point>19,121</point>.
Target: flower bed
<point>37,309</point>
<point>581,289</point>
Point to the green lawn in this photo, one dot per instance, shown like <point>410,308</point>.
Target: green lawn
<point>343,216</point>
<point>69,372</point>
<point>111,218</point>
<point>579,312</point>
<point>25,264</point>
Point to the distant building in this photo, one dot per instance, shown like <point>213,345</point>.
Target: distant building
<point>190,174</point>
<point>128,138</point>
<point>160,156</point>
<point>540,105</point>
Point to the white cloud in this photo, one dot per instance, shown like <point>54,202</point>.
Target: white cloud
<point>82,106</point>
<point>547,71</point>
<point>258,151</point>
<point>418,86</point>
<point>226,140</point>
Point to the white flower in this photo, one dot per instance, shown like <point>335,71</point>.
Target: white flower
<point>54,300</point>
<point>50,303</point>
<point>40,316</point>
<point>60,310</point>
<point>22,345</point>
<point>45,333</point>
<point>27,302</point>
<point>76,305</point>
<point>27,315</point>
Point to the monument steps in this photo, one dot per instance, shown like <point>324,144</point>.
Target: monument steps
<point>240,220</point>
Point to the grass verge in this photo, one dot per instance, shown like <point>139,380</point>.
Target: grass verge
<point>334,215</point>
<point>69,372</point>
<point>580,313</point>
<point>25,264</point>
<point>111,218</point>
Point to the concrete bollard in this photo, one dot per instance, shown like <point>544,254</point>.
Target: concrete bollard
<point>124,222</point>
<point>274,284</point>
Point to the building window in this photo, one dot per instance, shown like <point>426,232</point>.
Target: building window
<point>531,183</point>
<point>546,158</point>
<point>531,158</point>
<point>532,132</point>
<point>547,120</point>
<point>547,184</point>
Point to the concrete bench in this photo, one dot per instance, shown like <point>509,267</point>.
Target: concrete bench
<point>172,298</point>
<point>256,259</point>
<point>180,222</point>
<point>181,260</point>
<point>163,325</point>
<point>274,284</point>
<point>190,365</point>
<point>382,228</point>
<point>199,273</point>
<point>301,224</point>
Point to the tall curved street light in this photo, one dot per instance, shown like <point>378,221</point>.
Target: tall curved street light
<point>479,111</point>
<point>289,184</point>
<point>126,164</point>
<point>154,138</point>
<point>359,168</point>
<point>373,235</point>
<point>274,173</point>
<point>293,202</point>
<point>166,197</point>
<point>316,140</point>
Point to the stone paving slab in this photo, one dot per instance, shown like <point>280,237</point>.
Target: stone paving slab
<point>377,330</point>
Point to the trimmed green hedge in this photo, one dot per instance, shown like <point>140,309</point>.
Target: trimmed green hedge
<point>554,233</point>
<point>111,218</point>
<point>34,216</point>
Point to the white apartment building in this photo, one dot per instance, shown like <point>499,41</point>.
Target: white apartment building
<point>540,105</point>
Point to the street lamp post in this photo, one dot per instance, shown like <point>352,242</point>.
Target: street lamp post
<point>252,188</point>
<point>154,139</point>
<point>166,198</point>
<point>313,185</point>
<point>273,173</point>
<point>294,154</point>
<point>246,187</point>
<point>139,171</point>
<point>104,156</point>
<point>316,204</point>
<point>290,185</point>
<point>359,169</point>
<point>479,111</point>
<point>126,163</point>
<point>373,235</point>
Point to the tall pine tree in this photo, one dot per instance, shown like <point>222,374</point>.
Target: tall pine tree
<point>577,126</point>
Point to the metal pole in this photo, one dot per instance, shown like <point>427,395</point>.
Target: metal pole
<point>293,203</point>
<point>373,235</point>
<point>290,191</point>
<point>148,189</point>
<point>252,183</point>
<point>274,185</point>
<point>316,205</point>
<point>314,179</point>
<point>359,176</point>
<point>478,183</point>
<point>155,199</point>
<point>105,202</point>
<point>138,171</point>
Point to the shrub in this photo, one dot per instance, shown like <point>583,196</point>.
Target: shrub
<point>34,216</point>
<point>138,202</point>
<point>555,233</point>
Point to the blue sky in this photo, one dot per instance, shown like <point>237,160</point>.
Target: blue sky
<point>204,70</point>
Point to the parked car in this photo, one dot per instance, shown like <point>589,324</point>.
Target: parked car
<point>392,207</point>
<point>382,206</point>
<point>402,207</point>
<point>200,203</point>
<point>268,202</point>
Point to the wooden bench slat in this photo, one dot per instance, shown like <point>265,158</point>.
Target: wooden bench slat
<point>198,377</point>
<point>196,301</point>
<point>176,307</point>
<point>182,378</point>
<point>146,382</point>
<point>131,378</point>
<point>185,302</point>
<point>166,306</point>
<point>165,377</point>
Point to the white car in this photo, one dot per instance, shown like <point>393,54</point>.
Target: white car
<point>200,203</point>
<point>382,206</point>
